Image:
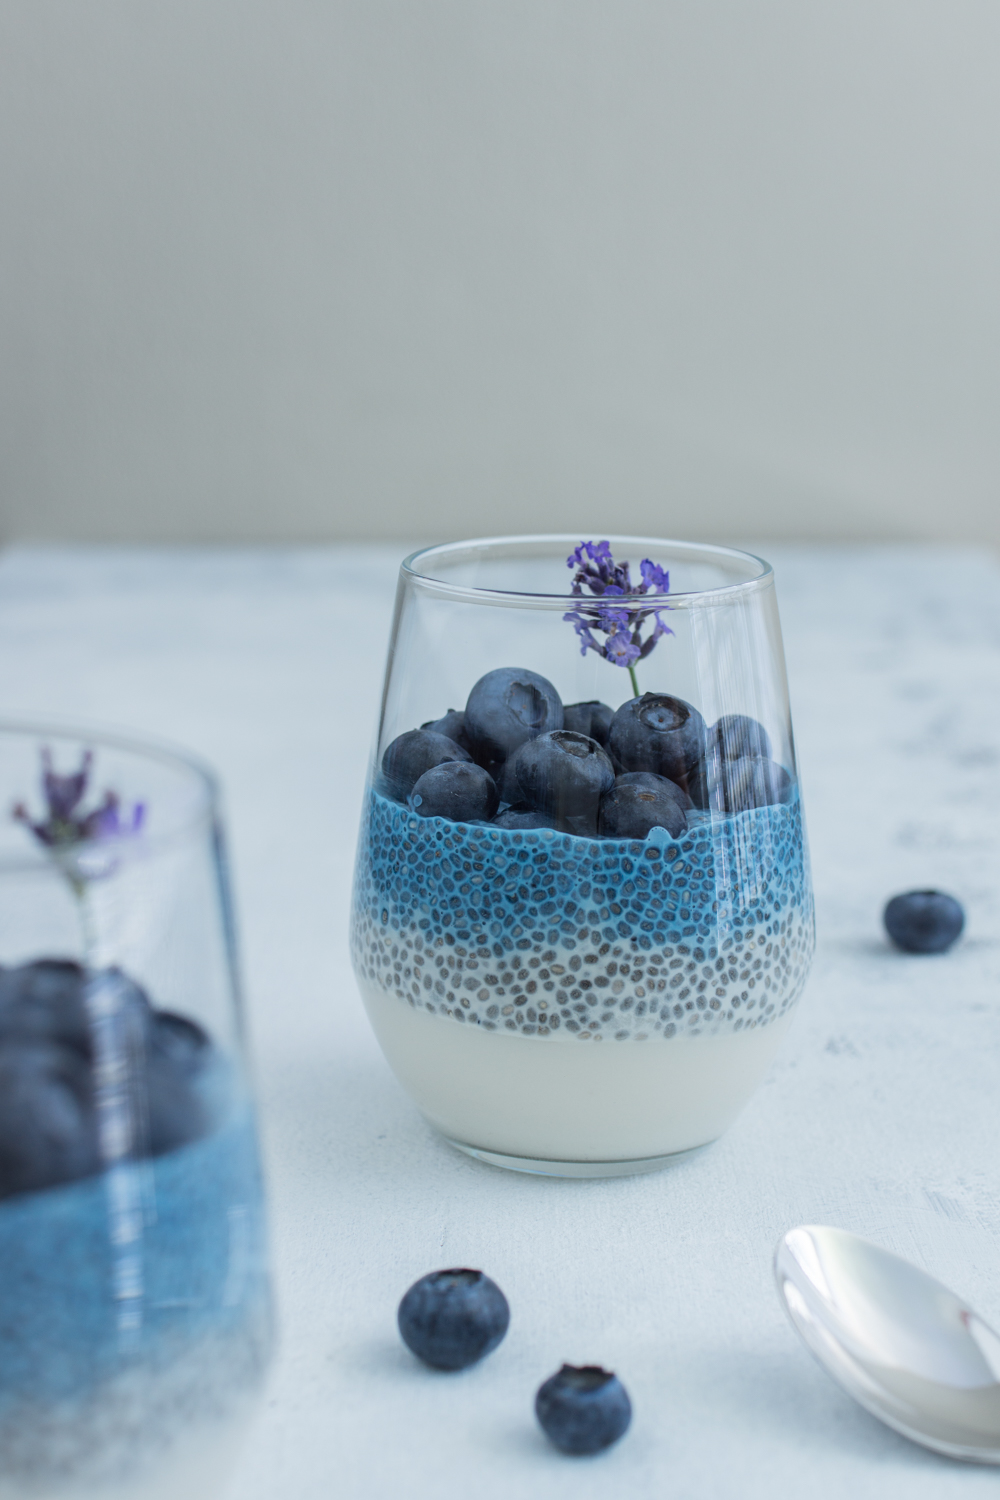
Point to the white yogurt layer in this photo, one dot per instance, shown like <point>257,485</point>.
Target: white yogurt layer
<point>565,1098</point>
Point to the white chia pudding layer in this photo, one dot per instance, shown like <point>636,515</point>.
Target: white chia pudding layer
<point>544,933</point>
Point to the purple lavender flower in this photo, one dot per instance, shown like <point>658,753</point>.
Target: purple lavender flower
<point>622,624</point>
<point>68,824</point>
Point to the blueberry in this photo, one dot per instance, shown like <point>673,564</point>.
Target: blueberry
<point>507,707</point>
<point>723,780</point>
<point>657,733</point>
<point>452,726</point>
<point>923,921</point>
<point>730,786</point>
<point>564,775</point>
<point>458,790</point>
<point>759,783</point>
<point>451,1319</point>
<point>48,1131</point>
<point>179,1055</point>
<point>49,1003</point>
<point>591,718</point>
<point>181,1042</point>
<point>754,782</point>
<point>639,801</point>
<point>523,817</point>
<point>583,1409</point>
<point>45,1001</point>
<point>413,753</point>
<point>701,782</point>
<point>737,735</point>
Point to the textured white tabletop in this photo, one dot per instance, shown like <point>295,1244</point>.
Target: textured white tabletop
<point>880,1115</point>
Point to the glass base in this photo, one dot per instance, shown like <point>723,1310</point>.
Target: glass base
<point>540,1168</point>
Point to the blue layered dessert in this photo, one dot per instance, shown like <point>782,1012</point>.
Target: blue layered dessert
<point>134,1304</point>
<point>538,931</point>
<point>540,868</point>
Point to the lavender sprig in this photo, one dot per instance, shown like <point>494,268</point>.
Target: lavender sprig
<point>622,625</point>
<point>69,830</point>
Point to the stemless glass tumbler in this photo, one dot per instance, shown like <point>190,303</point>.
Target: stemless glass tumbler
<point>135,1310</point>
<point>582,907</point>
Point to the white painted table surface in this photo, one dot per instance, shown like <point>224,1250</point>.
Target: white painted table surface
<point>880,1115</point>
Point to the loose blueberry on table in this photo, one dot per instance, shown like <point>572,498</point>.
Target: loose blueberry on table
<point>583,1409</point>
<point>924,921</point>
<point>453,1319</point>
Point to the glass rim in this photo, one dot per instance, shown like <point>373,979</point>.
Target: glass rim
<point>727,593</point>
<point>141,746</point>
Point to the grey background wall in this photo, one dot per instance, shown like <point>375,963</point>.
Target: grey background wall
<point>318,269</point>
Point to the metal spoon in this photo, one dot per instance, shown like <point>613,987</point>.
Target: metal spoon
<point>903,1345</point>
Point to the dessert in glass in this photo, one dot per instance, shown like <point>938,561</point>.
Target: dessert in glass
<point>135,1308</point>
<point>582,909</point>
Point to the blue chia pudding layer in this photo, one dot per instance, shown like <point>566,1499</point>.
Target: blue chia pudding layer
<point>540,932</point>
<point>134,1306</point>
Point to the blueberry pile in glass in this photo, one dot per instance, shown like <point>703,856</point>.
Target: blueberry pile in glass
<point>519,758</point>
<point>51,1072</point>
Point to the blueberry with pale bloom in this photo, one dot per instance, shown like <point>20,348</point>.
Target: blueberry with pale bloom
<point>737,736</point>
<point>413,753</point>
<point>640,801</point>
<point>459,790</point>
<point>583,1409</point>
<point>452,726</point>
<point>452,1319</point>
<point>657,733</point>
<point>564,775</point>
<point>506,707</point>
<point>731,786</point>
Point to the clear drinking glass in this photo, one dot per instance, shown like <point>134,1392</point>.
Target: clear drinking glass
<point>599,980</point>
<point>135,1309</point>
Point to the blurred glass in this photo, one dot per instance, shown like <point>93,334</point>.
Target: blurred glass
<point>135,1307</point>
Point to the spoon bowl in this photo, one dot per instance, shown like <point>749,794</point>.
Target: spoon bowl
<point>904,1346</point>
